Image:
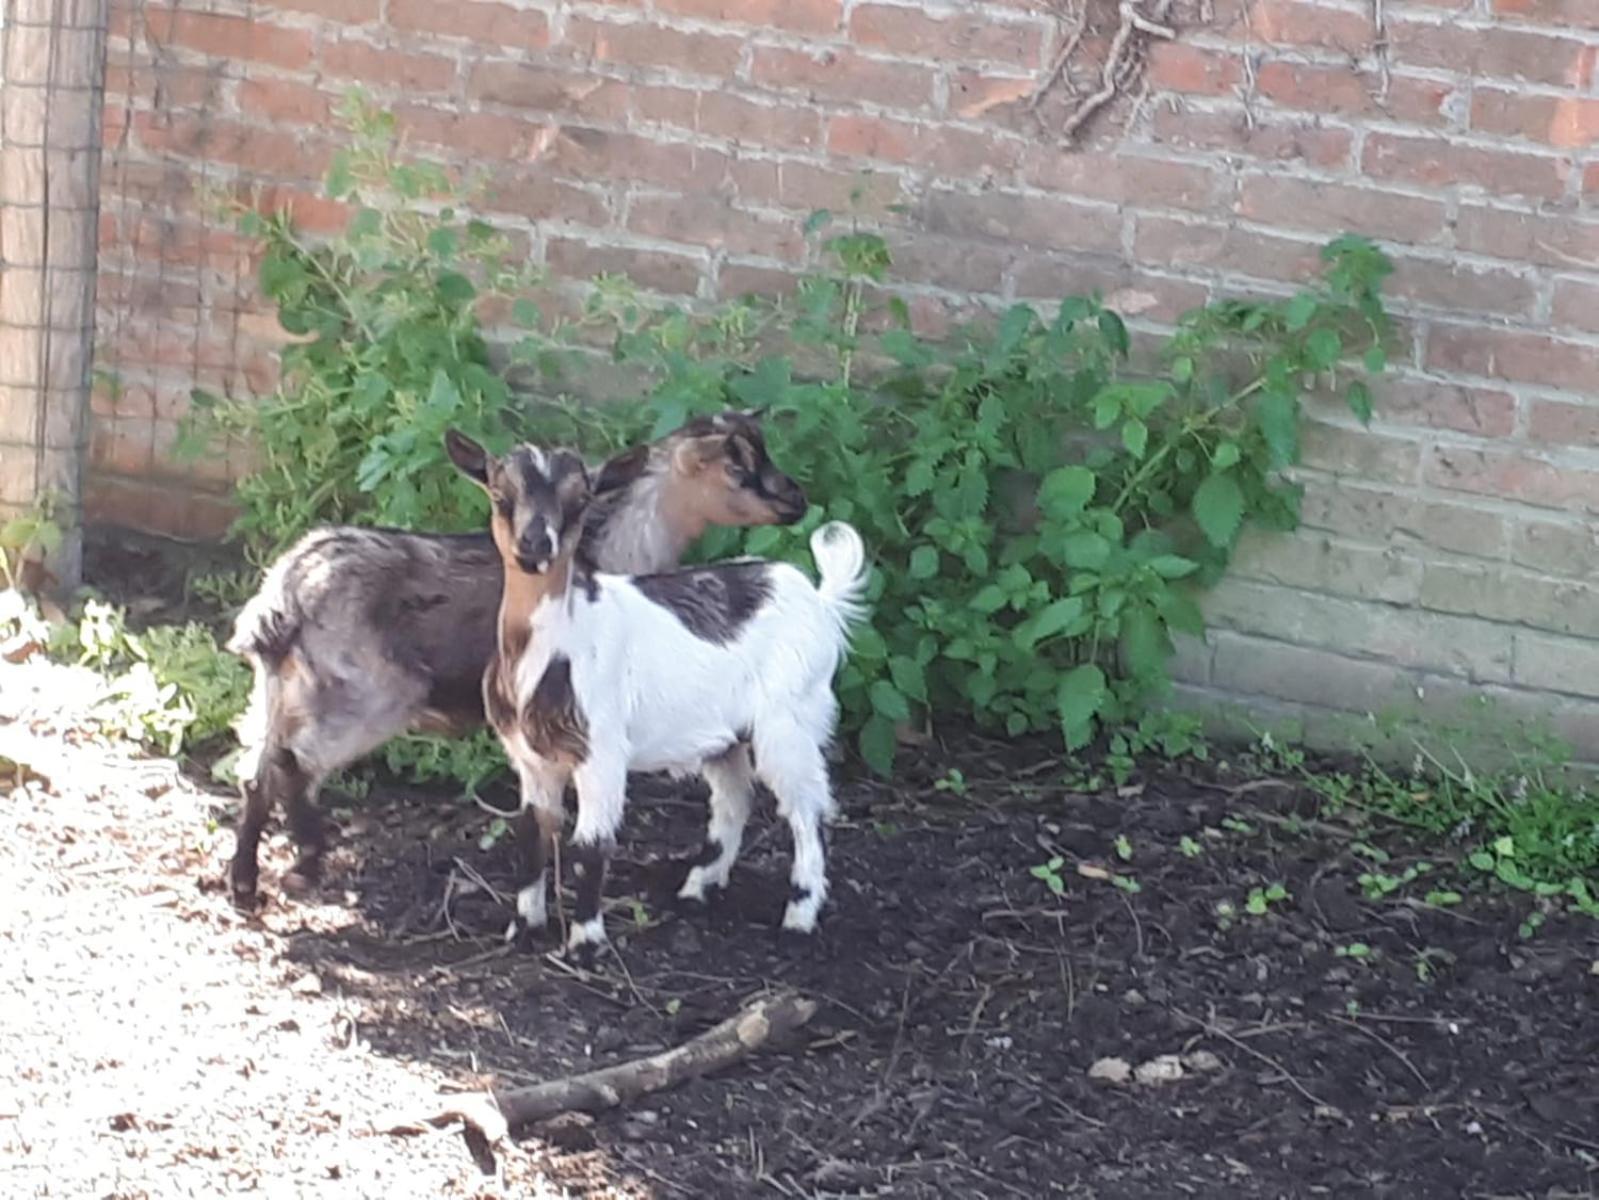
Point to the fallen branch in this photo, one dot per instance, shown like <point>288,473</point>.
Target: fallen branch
<point>489,1117</point>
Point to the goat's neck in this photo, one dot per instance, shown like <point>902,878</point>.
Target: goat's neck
<point>650,526</point>
<point>525,596</point>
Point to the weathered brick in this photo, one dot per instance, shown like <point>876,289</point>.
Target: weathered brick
<point>396,69</point>
<point>644,44</point>
<point>1349,508</point>
<point>230,37</point>
<point>670,273</point>
<point>1177,66</point>
<point>1561,423</point>
<point>799,16</point>
<point>1576,305</point>
<point>744,121</point>
<point>492,24</point>
<point>535,195</point>
<point>1248,666</point>
<point>1502,593</point>
<point>1131,292</point>
<point>805,187</point>
<point>477,135</point>
<point>1122,179</point>
<point>350,12</point>
<point>596,154</point>
<point>834,73</point>
<point>1030,220</point>
<point>958,266</point>
<point>1557,664</point>
<point>1318,563</point>
<point>1562,14</point>
<point>1564,121</point>
<point>267,151</point>
<point>1512,355</point>
<point>1463,288</point>
<point>1350,92</point>
<point>1296,23</point>
<point>1437,162</point>
<point>1508,475</point>
<point>545,89</point>
<point>976,94</point>
<point>958,37</point>
<point>1556,240</point>
<point>1492,52</point>
<point>284,100</point>
<point>1364,452</point>
<point>1333,208</point>
<point>735,280</point>
<point>1557,547</point>
<point>120,447</point>
<point>1480,411</point>
<point>945,151</point>
<point>1472,649</point>
<point>1236,133</point>
<point>699,221</point>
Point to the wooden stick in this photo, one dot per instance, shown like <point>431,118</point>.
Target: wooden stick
<point>491,1116</point>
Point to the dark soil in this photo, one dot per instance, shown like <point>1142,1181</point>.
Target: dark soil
<point>962,1004</point>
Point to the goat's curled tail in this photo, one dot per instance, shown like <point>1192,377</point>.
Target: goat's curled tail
<point>841,561</point>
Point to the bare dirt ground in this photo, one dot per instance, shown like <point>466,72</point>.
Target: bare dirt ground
<point>155,1043</point>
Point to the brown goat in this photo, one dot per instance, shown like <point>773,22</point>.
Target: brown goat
<point>358,635</point>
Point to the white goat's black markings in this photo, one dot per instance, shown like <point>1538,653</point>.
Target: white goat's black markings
<point>552,720</point>
<point>713,603</point>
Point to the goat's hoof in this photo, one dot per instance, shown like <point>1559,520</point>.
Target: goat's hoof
<point>522,937</point>
<point>585,956</point>
<point>303,877</point>
<point>699,891</point>
<point>585,942</point>
<point>243,895</point>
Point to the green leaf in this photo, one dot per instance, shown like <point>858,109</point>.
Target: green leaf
<point>1172,566</point>
<point>1144,643</point>
<point>1182,369</point>
<point>1084,550</point>
<point>1376,360</point>
<point>1226,456</point>
<point>1065,491</point>
<point>1079,699</point>
<point>924,562</point>
<point>1278,413</point>
<point>525,313</point>
<point>340,178</point>
<point>1358,397</point>
<point>1219,508</point>
<point>908,677</point>
<point>1135,436</point>
<point>1048,621</point>
<point>1114,330</point>
<point>878,744</point>
<point>1324,348</point>
<point>989,599</point>
<point>1299,312</point>
<point>817,221</point>
<point>888,702</point>
<point>919,479</point>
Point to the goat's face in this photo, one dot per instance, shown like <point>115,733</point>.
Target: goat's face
<point>538,496</point>
<point>723,460</point>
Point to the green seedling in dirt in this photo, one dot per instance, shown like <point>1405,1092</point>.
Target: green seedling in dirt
<point>1260,900</point>
<point>497,829</point>
<point>1354,950</point>
<point>1127,884</point>
<point>1370,853</point>
<point>1530,927</point>
<point>1424,960</point>
<point>1189,848</point>
<point>1226,914</point>
<point>885,829</point>
<point>674,1006</point>
<point>1234,825</point>
<point>1376,884</point>
<point>953,782</point>
<point>1049,872</point>
<point>1440,898</point>
<point>1124,848</point>
<point>1352,1007</point>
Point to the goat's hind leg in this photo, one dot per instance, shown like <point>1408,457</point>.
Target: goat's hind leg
<point>732,780</point>
<point>536,830</point>
<point>792,765</point>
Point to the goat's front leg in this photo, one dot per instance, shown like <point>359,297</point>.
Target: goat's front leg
<point>536,830</point>
<point>601,798</point>
<point>732,780</point>
<point>244,871</point>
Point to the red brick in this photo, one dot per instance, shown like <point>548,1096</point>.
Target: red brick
<point>826,73</point>
<point>1513,356</point>
<point>1590,180</point>
<point>939,148</point>
<point>803,187</point>
<point>956,266</point>
<point>597,154</point>
<point>735,280</point>
<point>308,211</point>
<point>350,12</point>
<point>1485,412</point>
<point>120,447</point>
<point>1334,208</point>
<point>1453,286</point>
<point>1346,91</point>
<point>799,16</point>
<point>975,94</point>
<point>959,37</point>
<point>668,273</point>
<point>115,501</point>
<point>1290,23</point>
<point>1504,475</point>
<point>479,135</point>
<point>741,120</point>
<point>1435,162</point>
<point>1363,453</point>
<point>1559,423</point>
<point>389,68</point>
<point>1556,241</point>
<point>1565,121</point>
<point>230,37</point>
<point>542,89</point>
<point>701,221</point>
<point>1130,292</point>
<point>1121,178</point>
<point>1029,220</point>
<point>1576,305</point>
<point>1568,14</point>
<point>1179,67</point>
<point>265,151</point>
<point>180,86</point>
<point>643,44</point>
<point>1234,134</point>
<point>1492,53</point>
<point>496,25</point>
<point>1179,245</point>
<point>283,100</point>
<point>534,195</point>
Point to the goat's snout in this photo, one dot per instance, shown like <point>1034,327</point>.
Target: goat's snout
<point>535,546</point>
<point>789,503</point>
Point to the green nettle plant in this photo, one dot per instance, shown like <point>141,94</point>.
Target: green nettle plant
<point>1040,504</point>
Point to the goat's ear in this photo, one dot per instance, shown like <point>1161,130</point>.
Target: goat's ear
<point>693,455</point>
<point>468,456</point>
<point>754,414</point>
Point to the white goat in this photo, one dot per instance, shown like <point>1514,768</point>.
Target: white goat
<point>599,674</point>
<point>357,635</point>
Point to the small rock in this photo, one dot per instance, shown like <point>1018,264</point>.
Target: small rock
<point>1166,1068</point>
<point>1133,998</point>
<point>1202,1060</point>
<point>1111,1070</point>
<point>307,985</point>
<point>569,1131</point>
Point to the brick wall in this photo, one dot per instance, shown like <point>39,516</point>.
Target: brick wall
<point>1451,545</point>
